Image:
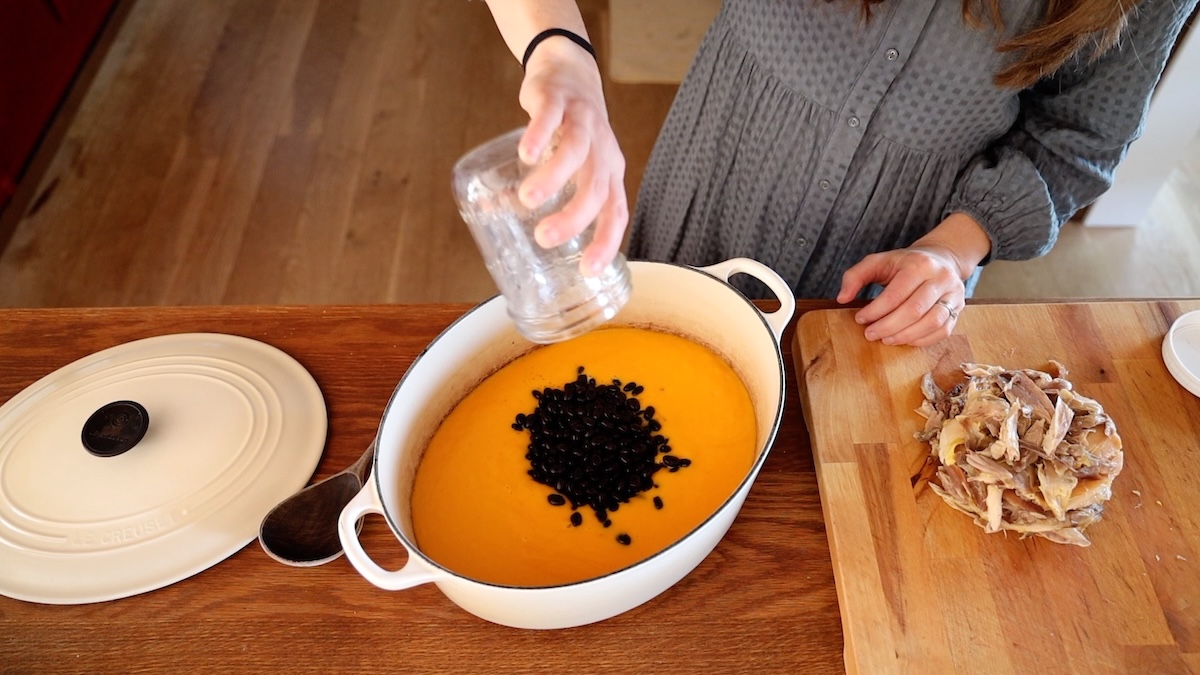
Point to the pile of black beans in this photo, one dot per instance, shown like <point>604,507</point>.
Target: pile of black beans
<point>595,445</point>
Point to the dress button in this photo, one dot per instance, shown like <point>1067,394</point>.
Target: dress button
<point>891,54</point>
<point>853,122</point>
<point>825,184</point>
<point>802,241</point>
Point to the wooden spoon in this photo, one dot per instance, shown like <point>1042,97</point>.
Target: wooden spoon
<point>302,530</point>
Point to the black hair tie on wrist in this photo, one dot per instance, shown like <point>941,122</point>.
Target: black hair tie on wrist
<point>551,32</point>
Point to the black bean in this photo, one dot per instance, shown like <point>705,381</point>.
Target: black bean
<point>624,539</point>
<point>594,444</point>
<point>637,391</point>
<point>658,502</point>
<point>556,499</point>
<point>576,519</point>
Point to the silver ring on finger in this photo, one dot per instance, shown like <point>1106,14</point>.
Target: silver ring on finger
<point>949,308</point>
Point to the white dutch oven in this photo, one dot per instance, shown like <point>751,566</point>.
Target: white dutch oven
<point>696,303</point>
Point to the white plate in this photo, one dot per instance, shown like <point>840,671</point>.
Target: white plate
<point>1181,351</point>
<point>236,425</point>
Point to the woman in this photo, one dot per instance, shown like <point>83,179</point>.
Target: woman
<point>856,142</point>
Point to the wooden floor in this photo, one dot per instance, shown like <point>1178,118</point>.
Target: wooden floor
<point>299,152</point>
<point>281,151</point>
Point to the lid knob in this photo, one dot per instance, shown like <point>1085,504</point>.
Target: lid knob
<point>115,428</point>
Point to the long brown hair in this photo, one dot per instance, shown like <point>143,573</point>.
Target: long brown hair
<point>1068,27</point>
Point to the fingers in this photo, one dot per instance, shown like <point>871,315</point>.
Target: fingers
<point>935,324</point>
<point>569,138</point>
<point>867,270</point>
<point>591,192</point>
<point>600,198</point>
<point>574,146</point>
<point>921,320</point>
<point>941,328</point>
<point>610,230</point>
<point>901,300</point>
<point>908,309</point>
<point>941,324</point>
<point>545,116</point>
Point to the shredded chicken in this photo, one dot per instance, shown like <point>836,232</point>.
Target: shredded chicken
<point>1021,450</point>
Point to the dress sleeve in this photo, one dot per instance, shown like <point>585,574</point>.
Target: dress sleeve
<point>1072,130</point>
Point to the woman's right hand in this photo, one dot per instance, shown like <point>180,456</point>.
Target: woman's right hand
<point>563,94</point>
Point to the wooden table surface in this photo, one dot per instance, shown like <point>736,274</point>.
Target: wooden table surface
<point>764,600</point>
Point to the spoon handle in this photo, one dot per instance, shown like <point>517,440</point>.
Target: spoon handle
<point>362,467</point>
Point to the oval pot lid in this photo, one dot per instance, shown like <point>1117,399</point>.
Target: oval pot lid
<point>228,427</point>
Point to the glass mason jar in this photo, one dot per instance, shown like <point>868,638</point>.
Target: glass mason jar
<point>549,297</point>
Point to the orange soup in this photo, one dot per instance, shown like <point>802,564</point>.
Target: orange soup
<point>478,511</point>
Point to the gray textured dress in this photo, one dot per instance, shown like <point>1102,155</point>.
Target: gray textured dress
<point>807,139</point>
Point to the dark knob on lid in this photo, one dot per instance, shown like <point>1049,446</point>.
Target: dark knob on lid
<point>115,428</point>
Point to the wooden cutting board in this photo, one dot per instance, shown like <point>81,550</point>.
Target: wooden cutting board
<point>921,587</point>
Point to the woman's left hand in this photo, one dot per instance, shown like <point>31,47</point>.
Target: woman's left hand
<point>921,301</point>
<point>924,291</point>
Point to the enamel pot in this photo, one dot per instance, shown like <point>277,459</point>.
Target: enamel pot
<point>697,303</point>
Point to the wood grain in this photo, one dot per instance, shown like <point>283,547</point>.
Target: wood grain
<point>281,152</point>
<point>298,152</point>
<point>763,601</point>
<point>923,589</point>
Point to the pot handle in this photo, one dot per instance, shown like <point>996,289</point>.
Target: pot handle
<point>777,320</point>
<point>366,502</point>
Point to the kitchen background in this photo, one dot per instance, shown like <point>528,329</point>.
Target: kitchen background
<point>298,151</point>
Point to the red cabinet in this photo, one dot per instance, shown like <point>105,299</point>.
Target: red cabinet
<point>43,44</point>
